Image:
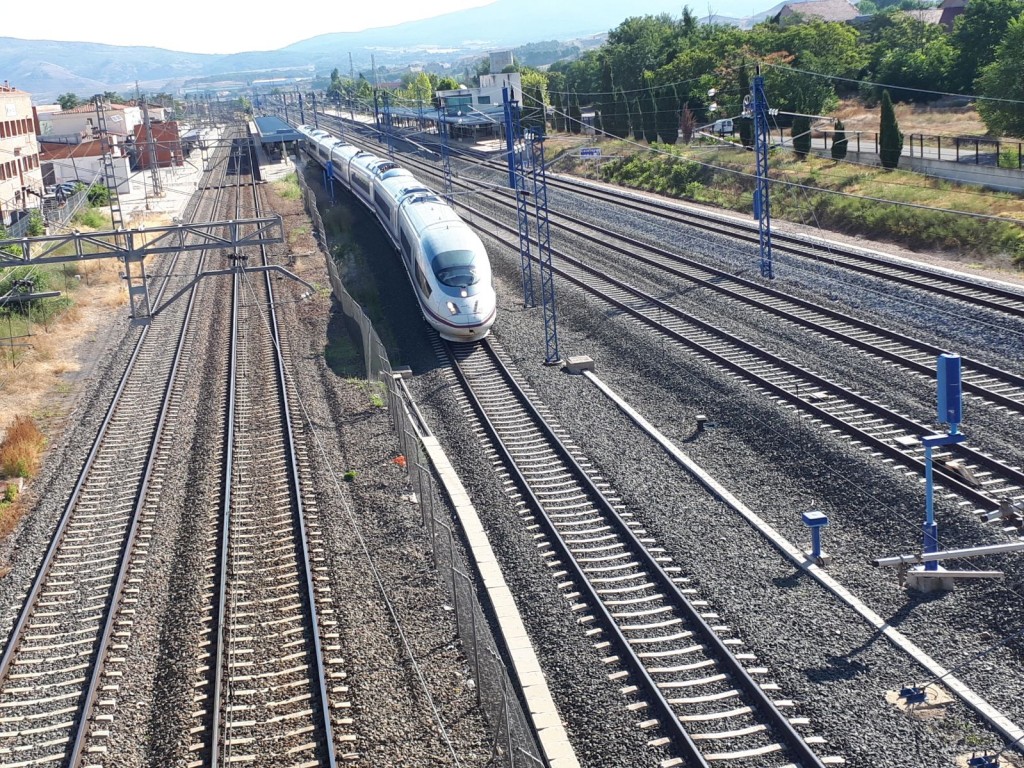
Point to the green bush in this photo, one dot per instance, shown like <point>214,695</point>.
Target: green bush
<point>99,195</point>
<point>36,224</point>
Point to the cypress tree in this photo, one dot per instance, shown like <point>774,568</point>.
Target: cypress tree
<point>745,125</point>
<point>604,119</point>
<point>668,116</point>
<point>890,140</point>
<point>575,116</point>
<point>839,142</point>
<point>651,118</point>
<point>556,105</point>
<point>801,132</point>
<point>617,121</point>
<point>637,120</point>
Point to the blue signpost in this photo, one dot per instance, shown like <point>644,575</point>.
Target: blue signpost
<point>329,179</point>
<point>949,412</point>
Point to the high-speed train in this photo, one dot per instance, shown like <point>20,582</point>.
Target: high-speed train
<point>445,260</point>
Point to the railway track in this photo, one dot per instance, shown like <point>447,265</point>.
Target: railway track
<point>268,694</point>
<point>56,695</point>
<point>702,699</point>
<point>964,472</point>
<point>988,382</point>
<point>981,480</point>
<point>999,298</point>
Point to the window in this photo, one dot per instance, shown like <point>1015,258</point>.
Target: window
<point>484,100</point>
<point>406,248</point>
<point>382,205</point>
<point>455,268</point>
<point>361,183</point>
<point>422,280</point>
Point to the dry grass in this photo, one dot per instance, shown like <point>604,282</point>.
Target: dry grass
<point>35,382</point>
<point>21,448</point>
<point>940,118</point>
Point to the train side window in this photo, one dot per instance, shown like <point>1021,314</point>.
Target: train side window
<point>424,285</point>
<point>406,248</point>
<point>382,205</point>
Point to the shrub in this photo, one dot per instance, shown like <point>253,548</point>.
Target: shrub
<point>36,224</point>
<point>98,195</point>
<point>350,476</point>
<point>21,448</point>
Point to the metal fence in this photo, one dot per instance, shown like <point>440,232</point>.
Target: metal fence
<point>514,744</point>
<point>954,149</point>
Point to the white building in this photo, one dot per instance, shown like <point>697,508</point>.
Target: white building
<point>21,179</point>
<point>484,98</point>
<point>121,120</point>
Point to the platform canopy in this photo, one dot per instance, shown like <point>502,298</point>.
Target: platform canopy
<point>274,130</point>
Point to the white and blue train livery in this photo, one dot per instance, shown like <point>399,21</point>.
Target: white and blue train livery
<point>445,260</point>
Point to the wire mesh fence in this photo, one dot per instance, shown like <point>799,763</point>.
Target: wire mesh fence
<point>513,742</point>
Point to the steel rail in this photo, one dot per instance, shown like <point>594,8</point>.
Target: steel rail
<point>217,631</point>
<point>761,700</point>
<point>86,700</point>
<point>863,262</point>
<point>607,237</point>
<point>295,476</point>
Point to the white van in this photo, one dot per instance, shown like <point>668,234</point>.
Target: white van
<point>722,127</point>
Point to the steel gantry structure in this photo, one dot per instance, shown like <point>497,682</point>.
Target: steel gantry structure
<point>132,246</point>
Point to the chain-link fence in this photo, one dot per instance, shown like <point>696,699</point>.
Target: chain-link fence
<point>514,744</point>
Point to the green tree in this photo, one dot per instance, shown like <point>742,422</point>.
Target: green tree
<point>912,54</point>
<point>801,132</point>
<point>890,140</point>
<point>36,223</point>
<point>976,34</point>
<point>447,83</point>
<point>68,100</point>
<point>839,142</point>
<point>1004,79</point>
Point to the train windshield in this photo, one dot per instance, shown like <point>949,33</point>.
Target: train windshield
<point>456,268</point>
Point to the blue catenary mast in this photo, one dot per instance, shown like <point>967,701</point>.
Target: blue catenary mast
<point>762,206</point>
<point>535,142</point>
<point>388,126</point>
<point>517,181</point>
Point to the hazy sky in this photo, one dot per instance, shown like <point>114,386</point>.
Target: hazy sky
<point>210,26</point>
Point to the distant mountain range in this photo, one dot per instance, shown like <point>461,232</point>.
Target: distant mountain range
<point>47,68</point>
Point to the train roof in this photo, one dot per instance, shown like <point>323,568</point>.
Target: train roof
<point>428,211</point>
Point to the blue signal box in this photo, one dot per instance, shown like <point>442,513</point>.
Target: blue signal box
<point>949,390</point>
